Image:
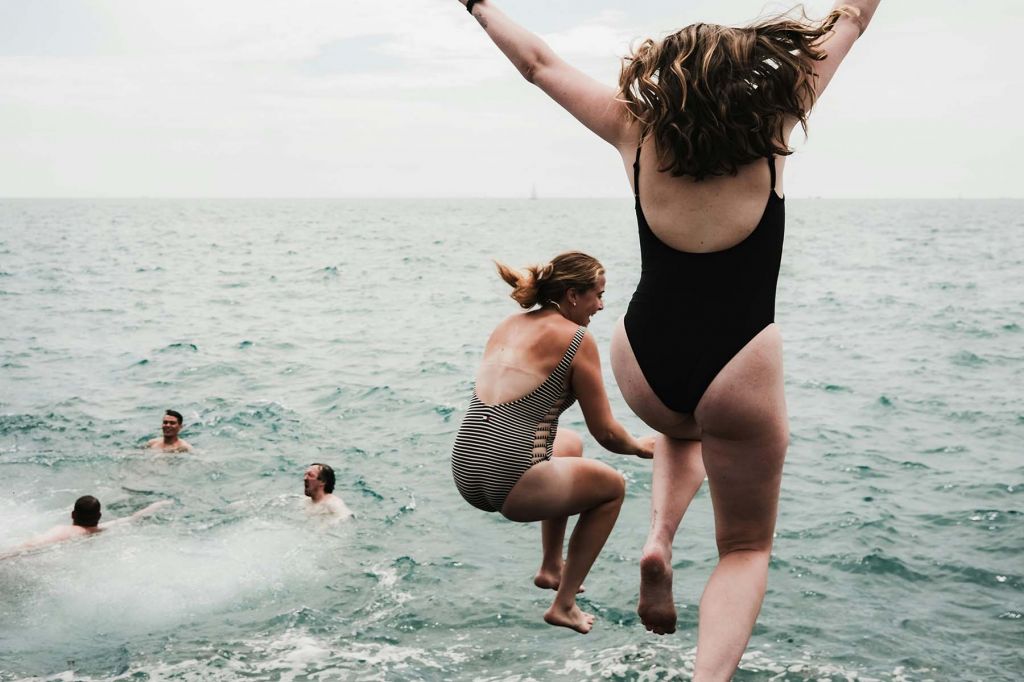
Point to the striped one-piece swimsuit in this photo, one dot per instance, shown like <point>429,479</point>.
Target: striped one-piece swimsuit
<point>496,444</point>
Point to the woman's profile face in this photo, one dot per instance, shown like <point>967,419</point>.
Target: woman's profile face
<point>588,302</point>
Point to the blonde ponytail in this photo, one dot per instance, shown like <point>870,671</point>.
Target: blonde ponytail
<point>542,284</point>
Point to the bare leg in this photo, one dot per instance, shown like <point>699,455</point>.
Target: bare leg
<point>588,538</point>
<point>744,484</point>
<point>742,424</point>
<point>678,474</point>
<point>562,487</point>
<point>743,414</point>
<point>552,531</point>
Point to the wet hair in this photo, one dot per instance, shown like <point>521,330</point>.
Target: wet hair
<point>716,97</point>
<point>86,512</point>
<point>326,475</point>
<point>541,284</point>
<point>176,415</point>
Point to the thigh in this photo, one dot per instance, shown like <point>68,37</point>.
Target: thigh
<point>744,439</point>
<point>562,486</point>
<point>639,395</point>
<point>567,443</point>
<point>746,400</point>
<point>744,478</point>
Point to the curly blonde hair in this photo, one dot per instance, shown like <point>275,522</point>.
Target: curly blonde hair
<point>541,284</point>
<point>715,97</point>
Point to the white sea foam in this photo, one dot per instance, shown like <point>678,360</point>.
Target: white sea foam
<point>159,576</point>
<point>296,653</point>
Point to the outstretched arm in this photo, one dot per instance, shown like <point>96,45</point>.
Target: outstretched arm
<point>588,385</point>
<point>592,103</point>
<point>145,511</point>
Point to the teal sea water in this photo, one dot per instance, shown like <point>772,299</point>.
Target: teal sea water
<point>348,332</point>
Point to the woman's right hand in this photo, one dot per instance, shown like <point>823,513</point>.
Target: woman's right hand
<point>645,447</point>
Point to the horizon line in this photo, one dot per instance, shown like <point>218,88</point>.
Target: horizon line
<point>461,198</point>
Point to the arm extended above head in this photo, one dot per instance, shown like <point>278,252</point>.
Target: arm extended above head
<point>865,8</point>
<point>837,43</point>
<point>593,104</point>
<point>588,385</point>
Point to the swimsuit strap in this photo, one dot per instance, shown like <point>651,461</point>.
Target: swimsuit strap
<point>570,353</point>
<point>636,173</point>
<point>771,167</point>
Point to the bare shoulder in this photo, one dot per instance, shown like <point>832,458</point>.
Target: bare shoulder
<point>588,347</point>
<point>183,446</point>
<point>536,329</point>
<point>54,535</point>
<point>58,533</point>
<point>588,358</point>
<point>506,328</point>
<point>338,507</point>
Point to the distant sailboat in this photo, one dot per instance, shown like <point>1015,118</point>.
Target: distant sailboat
<point>533,191</point>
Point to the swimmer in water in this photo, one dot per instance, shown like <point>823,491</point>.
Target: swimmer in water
<point>318,484</point>
<point>85,520</point>
<point>170,442</point>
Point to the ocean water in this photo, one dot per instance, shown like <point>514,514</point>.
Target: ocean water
<point>348,332</point>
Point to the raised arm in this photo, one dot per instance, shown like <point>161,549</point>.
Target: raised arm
<point>588,385</point>
<point>593,104</point>
<point>840,39</point>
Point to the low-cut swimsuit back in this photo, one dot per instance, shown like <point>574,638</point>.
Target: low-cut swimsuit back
<point>693,312</point>
<point>496,444</point>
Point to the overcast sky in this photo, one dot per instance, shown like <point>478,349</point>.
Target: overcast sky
<point>408,98</point>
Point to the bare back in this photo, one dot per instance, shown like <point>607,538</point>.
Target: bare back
<point>521,354</point>
<point>699,217</point>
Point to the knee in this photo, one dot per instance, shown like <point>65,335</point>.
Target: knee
<point>752,543</point>
<point>617,486</point>
<point>608,483</point>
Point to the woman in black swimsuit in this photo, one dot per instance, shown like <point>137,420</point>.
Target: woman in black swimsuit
<point>702,120</point>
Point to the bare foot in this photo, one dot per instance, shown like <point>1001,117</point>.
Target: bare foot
<point>656,608</point>
<point>547,580</point>
<point>571,618</point>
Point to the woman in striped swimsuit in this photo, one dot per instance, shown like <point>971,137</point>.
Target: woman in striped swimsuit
<point>509,455</point>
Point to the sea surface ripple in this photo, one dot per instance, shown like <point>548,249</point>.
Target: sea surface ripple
<point>348,332</point>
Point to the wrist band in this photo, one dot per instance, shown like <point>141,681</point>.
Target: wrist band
<point>469,5</point>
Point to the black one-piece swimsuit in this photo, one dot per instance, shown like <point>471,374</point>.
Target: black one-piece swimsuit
<point>693,312</point>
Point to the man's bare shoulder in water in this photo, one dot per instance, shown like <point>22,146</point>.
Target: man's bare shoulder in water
<point>169,441</point>
<point>318,484</point>
<point>85,520</point>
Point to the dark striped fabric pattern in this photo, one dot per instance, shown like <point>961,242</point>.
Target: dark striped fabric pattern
<point>496,444</point>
